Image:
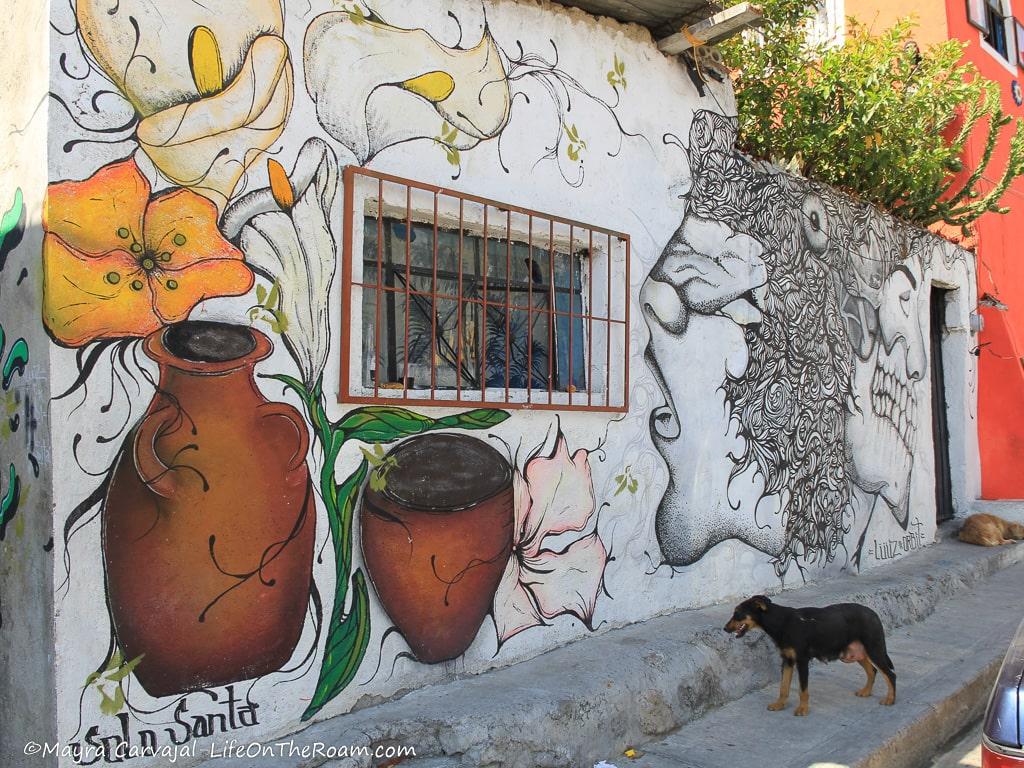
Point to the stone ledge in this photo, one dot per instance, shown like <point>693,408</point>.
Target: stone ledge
<point>585,701</point>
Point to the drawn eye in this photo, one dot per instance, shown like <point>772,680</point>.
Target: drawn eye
<point>814,222</point>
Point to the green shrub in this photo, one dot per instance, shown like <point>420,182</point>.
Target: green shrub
<point>876,117</point>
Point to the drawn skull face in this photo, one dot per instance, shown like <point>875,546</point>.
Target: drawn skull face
<point>881,310</point>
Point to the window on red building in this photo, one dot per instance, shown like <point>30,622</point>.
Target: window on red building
<point>994,19</point>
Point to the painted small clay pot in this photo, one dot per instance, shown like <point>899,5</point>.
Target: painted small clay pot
<point>209,522</point>
<point>437,539</point>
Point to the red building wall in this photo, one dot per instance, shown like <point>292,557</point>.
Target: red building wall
<point>999,242</point>
<point>1000,248</point>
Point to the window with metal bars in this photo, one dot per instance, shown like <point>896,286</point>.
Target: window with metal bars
<point>454,298</point>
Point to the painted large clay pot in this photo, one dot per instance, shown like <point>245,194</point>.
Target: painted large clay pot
<point>437,539</point>
<point>208,527</point>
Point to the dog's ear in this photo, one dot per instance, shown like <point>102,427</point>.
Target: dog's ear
<point>761,602</point>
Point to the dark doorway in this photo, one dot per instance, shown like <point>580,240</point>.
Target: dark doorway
<point>940,426</point>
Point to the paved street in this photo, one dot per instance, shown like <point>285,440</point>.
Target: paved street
<point>945,665</point>
<point>965,752</point>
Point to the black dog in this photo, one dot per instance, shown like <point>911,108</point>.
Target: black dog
<point>847,631</point>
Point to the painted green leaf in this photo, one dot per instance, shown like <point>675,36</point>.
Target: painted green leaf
<point>17,359</point>
<point>378,480</point>
<point>12,226</point>
<point>261,294</point>
<point>274,297</point>
<point>356,15</point>
<point>347,639</point>
<point>11,498</point>
<point>573,153</point>
<point>384,424</point>
<point>111,706</point>
<point>371,457</point>
<point>124,670</point>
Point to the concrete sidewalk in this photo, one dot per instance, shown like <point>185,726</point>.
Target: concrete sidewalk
<point>945,668</point>
<point>633,686</point>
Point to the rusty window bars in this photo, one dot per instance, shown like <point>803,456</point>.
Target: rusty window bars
<point>450,299</point>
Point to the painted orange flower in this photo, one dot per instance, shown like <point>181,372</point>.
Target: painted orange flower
<point>119,262</point>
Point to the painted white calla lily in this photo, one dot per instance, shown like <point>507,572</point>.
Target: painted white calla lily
<point>284,230</point>
<point>401,84</point>
<point>213,87</point>
<point>553,495</point>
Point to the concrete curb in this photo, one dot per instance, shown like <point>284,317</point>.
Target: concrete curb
<point>912,746</point>
<point>580,703</point>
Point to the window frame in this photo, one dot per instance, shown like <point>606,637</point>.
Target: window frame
<point>1010,60</point>
<point>617,347</point>
<point>977,15</point>
<point>1019,32</point>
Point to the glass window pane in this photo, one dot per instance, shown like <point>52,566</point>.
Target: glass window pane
<point>431,329</point>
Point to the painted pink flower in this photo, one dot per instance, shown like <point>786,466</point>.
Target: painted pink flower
<point>554,495</point>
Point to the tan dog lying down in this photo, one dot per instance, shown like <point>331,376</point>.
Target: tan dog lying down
<point>990,531</point>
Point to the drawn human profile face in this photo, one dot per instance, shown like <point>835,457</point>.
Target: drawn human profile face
<point>697,301</point>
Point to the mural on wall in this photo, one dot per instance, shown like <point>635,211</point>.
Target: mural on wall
<point>554,495</point>
<point>200,235</point>
<point>404,82</point>
<point>215,490</point>
<point>18,417</point>
<point>812,307</point>
<point>211,90</point>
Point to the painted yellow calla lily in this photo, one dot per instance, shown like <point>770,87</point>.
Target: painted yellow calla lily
<point>213,88</point>
<point>401,84</point>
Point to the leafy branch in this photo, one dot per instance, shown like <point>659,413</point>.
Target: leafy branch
<point>877,116</point>
<point>268,308</point>
<point>447,137</point>
<point>576,145</point>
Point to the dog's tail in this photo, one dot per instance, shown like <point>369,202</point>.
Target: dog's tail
<point>889,668</point>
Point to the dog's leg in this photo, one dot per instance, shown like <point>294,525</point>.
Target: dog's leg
<point>787,680</point>
<point>803,708</point>
<point>890,698</point>
<point>869,668</point>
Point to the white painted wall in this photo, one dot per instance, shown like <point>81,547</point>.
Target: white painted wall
<point>28,701</point>
<point>657,185</point>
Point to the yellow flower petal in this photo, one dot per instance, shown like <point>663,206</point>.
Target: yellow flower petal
<point>88,297</point>
<point>175,294</point>
<point>102,213</point>
<point>181,230</point>
<point>280,186</point>
<point>433,86</point>
<point>204,61</point>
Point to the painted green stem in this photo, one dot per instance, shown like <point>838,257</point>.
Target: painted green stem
<point>348,634</point>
